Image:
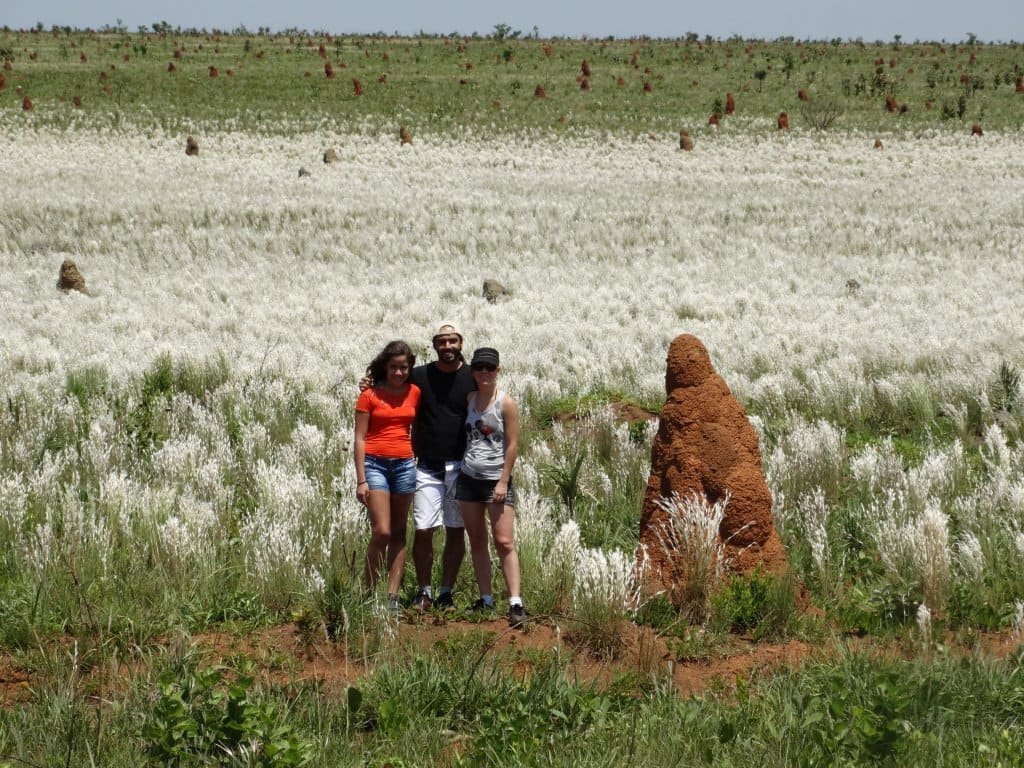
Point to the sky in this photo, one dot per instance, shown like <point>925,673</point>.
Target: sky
<point>870,20</point>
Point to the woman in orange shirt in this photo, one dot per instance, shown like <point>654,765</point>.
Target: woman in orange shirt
<point>385,467</point>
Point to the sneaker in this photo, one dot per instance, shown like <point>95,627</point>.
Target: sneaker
<point>393,606</point>
<point>481,607</point>
<point>516,616</point>
<point>444,601</point>
<point>422,601</point>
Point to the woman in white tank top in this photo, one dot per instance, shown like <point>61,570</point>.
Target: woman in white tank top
<point>485,482</point>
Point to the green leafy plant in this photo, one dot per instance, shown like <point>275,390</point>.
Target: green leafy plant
<point>694,644</point>
<point>205,716</point>
<point>762,604</point>
<point>565,474</point>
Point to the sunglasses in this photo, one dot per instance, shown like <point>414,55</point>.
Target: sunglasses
<point>484,367</point>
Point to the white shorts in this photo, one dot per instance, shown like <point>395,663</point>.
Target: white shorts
<point>435,502</point>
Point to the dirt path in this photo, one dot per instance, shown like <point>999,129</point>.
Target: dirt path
<point>280,654</point>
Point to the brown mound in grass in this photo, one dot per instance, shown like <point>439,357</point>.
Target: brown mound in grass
<point>706,446</point>
<point>70,278</point>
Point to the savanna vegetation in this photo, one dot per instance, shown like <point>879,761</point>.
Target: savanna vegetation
<point>509,83</point>
<point>179,543</point>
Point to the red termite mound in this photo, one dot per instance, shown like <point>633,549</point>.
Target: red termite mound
<point>706,445</point>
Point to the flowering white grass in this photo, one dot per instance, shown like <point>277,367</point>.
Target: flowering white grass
<point>877,467</point>
<point>609,579</point>
<point>547,552</point>
<point>814,514</point>
<point>924,624</point>
<point>807,454</point>
<point>917,548</point>
<point>970,557</point>
<point>606,587</point>
<point>232,254</point>
<point>696,555</point>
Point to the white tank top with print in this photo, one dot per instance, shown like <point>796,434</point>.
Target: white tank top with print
<point>485,440</point>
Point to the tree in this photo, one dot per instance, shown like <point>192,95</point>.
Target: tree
<point>503,31</point>
<point>788,64</point>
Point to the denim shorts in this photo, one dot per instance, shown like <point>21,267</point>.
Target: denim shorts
<point>391,475</point>
<point>472,489</point>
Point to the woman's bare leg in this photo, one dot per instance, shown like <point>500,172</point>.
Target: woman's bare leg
<point>399,519</point>
<point>503,519</point>
<point>378,505</point>
<point>476,531</point>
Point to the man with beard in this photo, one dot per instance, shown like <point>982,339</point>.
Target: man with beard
<point>439,440</point>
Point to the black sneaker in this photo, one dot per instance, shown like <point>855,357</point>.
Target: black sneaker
<point>516,616</point>
<point>422,601</point>
<point>481,607</point>
<point>444,601</point>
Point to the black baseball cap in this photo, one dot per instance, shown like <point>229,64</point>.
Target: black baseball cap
<point>486,356</point>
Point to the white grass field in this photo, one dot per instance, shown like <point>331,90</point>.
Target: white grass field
<point>609,248</point>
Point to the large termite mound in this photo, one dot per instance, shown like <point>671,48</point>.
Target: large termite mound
<point>706,445</point>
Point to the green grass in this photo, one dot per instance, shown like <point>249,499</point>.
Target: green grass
<point>853,709</point>
<point>437,85</point>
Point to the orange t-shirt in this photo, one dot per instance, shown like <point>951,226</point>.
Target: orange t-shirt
<point>391,418</point>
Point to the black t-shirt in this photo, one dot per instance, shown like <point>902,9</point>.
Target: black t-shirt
<point>439,434</point>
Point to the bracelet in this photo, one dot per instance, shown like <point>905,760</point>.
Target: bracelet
<point>361,482</point>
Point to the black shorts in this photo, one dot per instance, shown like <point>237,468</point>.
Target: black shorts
<point>470,489</point>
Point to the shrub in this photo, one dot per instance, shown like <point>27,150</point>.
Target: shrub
<point>820,114</point>
<point>762,604</point>
<point>201,715</point>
